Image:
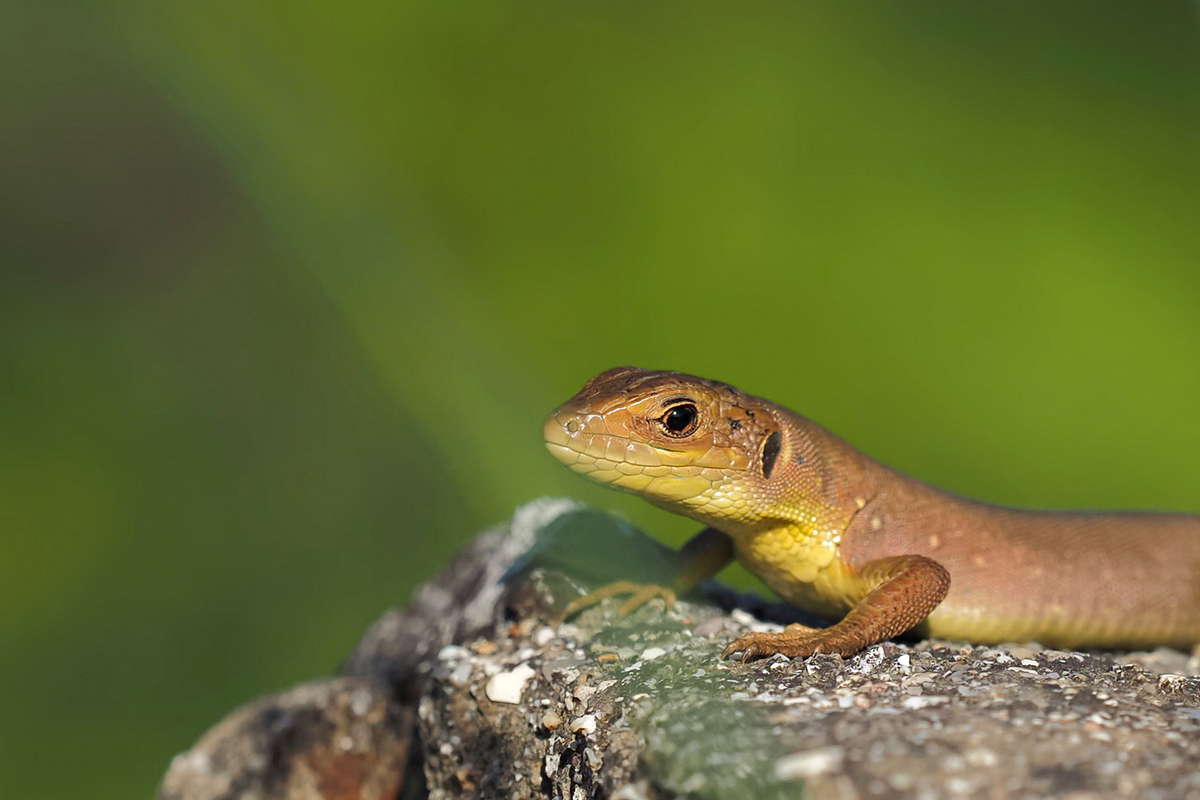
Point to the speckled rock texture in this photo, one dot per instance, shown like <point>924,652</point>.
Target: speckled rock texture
<point>509,705</point>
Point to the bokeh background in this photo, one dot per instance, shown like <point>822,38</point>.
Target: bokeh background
<point>287,288</point>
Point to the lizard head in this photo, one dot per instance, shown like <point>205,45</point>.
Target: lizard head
<point>689,445</point>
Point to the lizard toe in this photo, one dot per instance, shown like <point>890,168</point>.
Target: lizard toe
<point>791,644</point>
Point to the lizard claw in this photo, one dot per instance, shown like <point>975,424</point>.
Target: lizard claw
<point>797,641</point>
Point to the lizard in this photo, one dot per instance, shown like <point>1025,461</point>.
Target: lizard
<point>836,533</point>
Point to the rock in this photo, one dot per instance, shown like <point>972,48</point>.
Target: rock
<point>510,705</point>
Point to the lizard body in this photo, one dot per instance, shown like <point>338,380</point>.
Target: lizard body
<point>834,532</point>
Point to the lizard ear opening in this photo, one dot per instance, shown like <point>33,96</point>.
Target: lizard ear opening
<point>770,453</point>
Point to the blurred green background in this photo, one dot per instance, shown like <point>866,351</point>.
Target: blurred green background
<point>287,288</point>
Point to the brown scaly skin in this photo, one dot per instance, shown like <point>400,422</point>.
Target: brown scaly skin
<point>834,532</point>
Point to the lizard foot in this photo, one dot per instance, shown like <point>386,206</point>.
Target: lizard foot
<point>640,594</point>
<point>796,641</point>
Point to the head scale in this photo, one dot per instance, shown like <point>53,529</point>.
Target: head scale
<point>693,446</point>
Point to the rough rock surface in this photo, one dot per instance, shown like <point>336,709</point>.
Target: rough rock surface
<point>511,706</point>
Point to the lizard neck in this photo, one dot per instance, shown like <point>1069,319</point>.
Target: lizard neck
<point>795,545</point>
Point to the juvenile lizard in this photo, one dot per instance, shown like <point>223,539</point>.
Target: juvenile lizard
<point>836,533</point>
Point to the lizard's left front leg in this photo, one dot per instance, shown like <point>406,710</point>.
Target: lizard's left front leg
<point>905,590</point>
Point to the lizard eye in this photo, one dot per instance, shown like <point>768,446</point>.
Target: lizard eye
<point>680,420</point>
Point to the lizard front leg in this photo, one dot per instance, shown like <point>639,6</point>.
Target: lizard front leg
<point>905,589</point>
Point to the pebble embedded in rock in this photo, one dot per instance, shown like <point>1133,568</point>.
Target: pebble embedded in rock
<point>585,724</point>
<point>507,687</point>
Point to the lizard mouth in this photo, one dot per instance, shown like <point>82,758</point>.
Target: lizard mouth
<point>624,463</point>
<point>601,456</point>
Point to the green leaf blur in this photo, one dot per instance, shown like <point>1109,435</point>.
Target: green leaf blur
<point>287,288</point>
